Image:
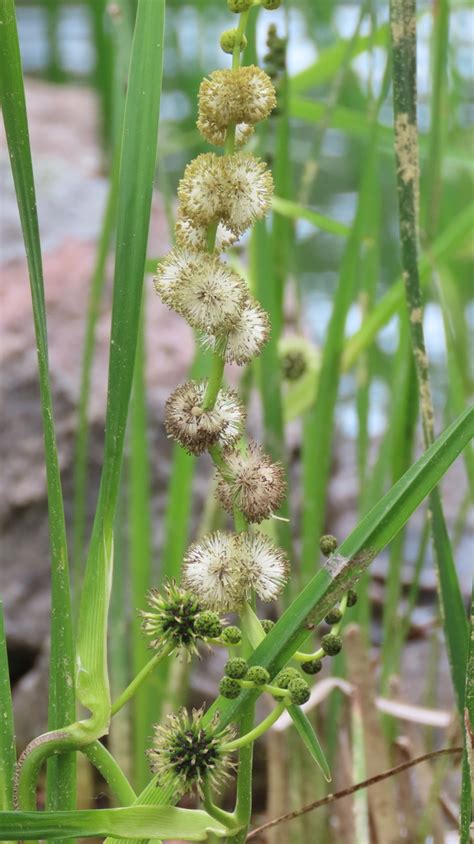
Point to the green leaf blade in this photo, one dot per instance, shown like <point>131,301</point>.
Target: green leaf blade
<point>309,738</point>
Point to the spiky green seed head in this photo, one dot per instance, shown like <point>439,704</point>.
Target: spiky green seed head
<point>328,544</point>
<point>258,674</point>
<point>267,624</point>
<point>331,644</point>
<point>285,676</point>
<point>299,691</point>
<point>334,616</point>
<point>171,618</point>
<point>313,666</point>
<point>239,6</point>
<point>231,635</point>
<point>228,41</point>
<point>351,598</point>
<point>208,625</point>
<point>229,688</point>
<point>270,5</point>
<point>187,752</point>
<point>236,668</point>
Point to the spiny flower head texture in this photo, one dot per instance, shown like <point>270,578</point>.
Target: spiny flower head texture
<point>239,97</point>
<point>193,236</point>
<point>252,482</point>
<point>171,618</point>
<point>222,569</point>
<point>196,429</point>
<point>186,752</point>
<point>208,293</point>
<point>233,189</point>
<point>245,339</point>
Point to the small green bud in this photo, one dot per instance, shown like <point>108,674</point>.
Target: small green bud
<point>334,616</point>
<point>351,598</point>
<point>236,668</point>
<point>229,688</point>
<point>239,6</point>
<point>299,691</point>
<point>328,544</point>
<point>231,635</point>
<point>285,677</point>
<point>258,675</point>
<point>229,39</point>
<point>270,5</point>
<point>331,644</point>
<point>313,666</point>
<point>208,625</point>
<point>267,624</point>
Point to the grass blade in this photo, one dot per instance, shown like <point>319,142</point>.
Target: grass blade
<point>7,735</point>
<point>467,759</point>
<point>140,555</point>
<point>142,822</point>
<point>137,168</point>
<point>372,534</point>
<point>295,211</point>
<point>403,34</point>
<point>306,732</point>
<point>61,701</point>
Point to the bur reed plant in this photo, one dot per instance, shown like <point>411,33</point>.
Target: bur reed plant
<point>222,195</point>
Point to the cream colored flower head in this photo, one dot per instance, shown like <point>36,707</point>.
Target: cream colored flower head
<point>223,569</point>
<point>249,191</point>
<point>234,189</point>
<point>212,572</point>
<point>245,338</point>
<point>193,236</point>
<point>239,97</point>
<point>201,288</point>
<point>196,429</point>
<point>252,482</point>
<point>265,564</point>
<point>201,189</point>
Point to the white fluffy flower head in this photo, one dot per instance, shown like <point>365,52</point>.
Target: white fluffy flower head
<point>265,564</point>
<point>239,97</point>
<point>212,571</point>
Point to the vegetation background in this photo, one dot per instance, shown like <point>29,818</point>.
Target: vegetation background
<point>333,252</point>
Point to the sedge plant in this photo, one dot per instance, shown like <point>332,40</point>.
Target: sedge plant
<point>222,195</point>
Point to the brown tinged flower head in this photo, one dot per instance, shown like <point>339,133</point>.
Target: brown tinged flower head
<point>233,189</point>
<point>208,293</point>
<point>187,751</point>
<point>252,482</point>
<point>239,97</point>
<point>222,569</point>
<point>196,429</point>
<point>245,339</point>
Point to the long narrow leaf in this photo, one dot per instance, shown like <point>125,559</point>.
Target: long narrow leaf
<point>137,168</point>
<point>141,822</point>
<point>7,736</point>
<point>306,732</point>
<point>61,701</point>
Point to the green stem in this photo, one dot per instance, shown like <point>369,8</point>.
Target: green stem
<point>215,381</point>
<point>138,680</point>
<point>257,731</point>
<point>227,818</point>
<point>111,771</point>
